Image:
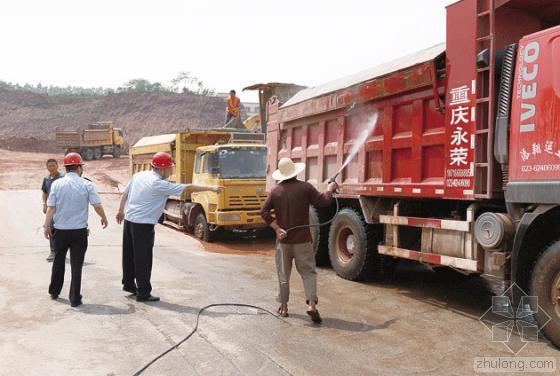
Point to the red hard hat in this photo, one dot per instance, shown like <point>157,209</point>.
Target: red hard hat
<point>162,160</point>
<point>73,159</point>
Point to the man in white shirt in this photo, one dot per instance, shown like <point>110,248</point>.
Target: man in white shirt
<point>67,205</point>
<point>142,204</point>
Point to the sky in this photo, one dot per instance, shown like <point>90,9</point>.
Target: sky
<point>226,44</point>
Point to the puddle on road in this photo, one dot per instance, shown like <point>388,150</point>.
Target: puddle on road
<point>237,244</point>
<point>242,246</point>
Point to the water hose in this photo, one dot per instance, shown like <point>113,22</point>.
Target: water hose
<point>331,180</point>
<point>176,346</point>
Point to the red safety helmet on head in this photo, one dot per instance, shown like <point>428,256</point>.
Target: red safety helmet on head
<point>162,160</point>
<point>73,159</point>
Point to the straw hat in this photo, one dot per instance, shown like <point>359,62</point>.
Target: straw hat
<point>287,169</point>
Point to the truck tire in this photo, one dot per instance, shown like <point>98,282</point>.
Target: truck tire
<point>202,230</point>
<point>320,236</point>
<point>189,228</point>
<point>97,154</point>
<point>117,152</point>
<point>545,284</point>
<point>88,154</point>
<point>353,246</point>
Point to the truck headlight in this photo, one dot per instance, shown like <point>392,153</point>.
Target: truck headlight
<point>227,217</point>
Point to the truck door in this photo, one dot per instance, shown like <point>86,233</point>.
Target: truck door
<point>535,136</point>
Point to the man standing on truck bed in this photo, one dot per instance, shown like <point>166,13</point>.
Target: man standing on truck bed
<point>232,109</point>
<point>142,204</point>
<point>52,167</point>
<point>290,200</point>
<point>68,203</point>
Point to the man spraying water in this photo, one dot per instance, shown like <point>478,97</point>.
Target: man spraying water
<point>290,200</point>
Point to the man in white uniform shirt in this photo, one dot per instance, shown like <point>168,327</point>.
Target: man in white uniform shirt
<point>68,203</point>
<point>142,204</point>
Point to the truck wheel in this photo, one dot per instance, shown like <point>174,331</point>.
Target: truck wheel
<point>201,229</point>
<point>117,152</point>
<point>545,284</point>
<point>88,154</point>
<point>97,153</point>
<point>320,236</point>
<point>353,246</point>
<point>189,228</point>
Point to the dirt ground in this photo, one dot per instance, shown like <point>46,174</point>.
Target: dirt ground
<point>22,170</point>
<point>29,120</point>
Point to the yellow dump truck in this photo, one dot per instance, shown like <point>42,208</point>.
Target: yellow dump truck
<point>92,142</point>
<point>232,160</point>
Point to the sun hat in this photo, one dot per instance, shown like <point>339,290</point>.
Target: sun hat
<point>287,169</point>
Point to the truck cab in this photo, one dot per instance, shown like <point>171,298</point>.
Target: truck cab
<point>241,170</point>
<point>118,137</point>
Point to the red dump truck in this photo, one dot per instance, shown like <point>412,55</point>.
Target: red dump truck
<point>463,166</point>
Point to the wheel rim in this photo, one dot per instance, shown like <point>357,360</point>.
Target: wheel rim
<point>555,293</point>
<point>346,243</point>
<point>199,230</point>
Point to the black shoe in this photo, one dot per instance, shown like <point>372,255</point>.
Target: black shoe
<point>76,304</point>
<point>147,298</point>
<point>54,296</point>
<point>315,316</point>
<point>130,289</point>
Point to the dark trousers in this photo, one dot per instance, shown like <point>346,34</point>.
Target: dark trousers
<point>51,240</point>
<point>138,245</point>
<point>77,242</point>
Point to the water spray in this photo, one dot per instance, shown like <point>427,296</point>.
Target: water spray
<point>356,146</point>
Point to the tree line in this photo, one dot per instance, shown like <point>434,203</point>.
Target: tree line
<point>184,82</point>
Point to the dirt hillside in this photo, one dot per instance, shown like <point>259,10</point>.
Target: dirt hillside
<point>28,120</point>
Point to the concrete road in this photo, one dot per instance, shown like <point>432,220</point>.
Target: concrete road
<point>418,323</point>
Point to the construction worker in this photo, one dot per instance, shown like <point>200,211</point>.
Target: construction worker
<point>52,168</point>
<point>232,109</point>
<point>142,204</point>
<point>290,200</point>
<point>68,204</point>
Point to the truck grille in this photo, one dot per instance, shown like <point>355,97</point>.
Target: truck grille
<point>246,201</point>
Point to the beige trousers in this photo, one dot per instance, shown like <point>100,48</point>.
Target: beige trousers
<point>304,258</point>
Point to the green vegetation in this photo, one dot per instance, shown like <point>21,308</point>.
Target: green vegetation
<point>184,82</point>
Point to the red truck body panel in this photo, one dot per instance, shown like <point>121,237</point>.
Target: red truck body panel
<point>535,116</point>
<point>320,131</point>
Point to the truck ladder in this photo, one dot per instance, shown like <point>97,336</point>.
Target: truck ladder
<point>484,129</point>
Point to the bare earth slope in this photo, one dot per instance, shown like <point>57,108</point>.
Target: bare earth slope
<point>28,120</point>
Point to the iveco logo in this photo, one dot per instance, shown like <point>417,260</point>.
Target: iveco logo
<point>527,86</point>
<point>260,191</point>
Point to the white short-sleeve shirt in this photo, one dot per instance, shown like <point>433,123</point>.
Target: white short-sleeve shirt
<point>147,194</point>
<point>71,196</point>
